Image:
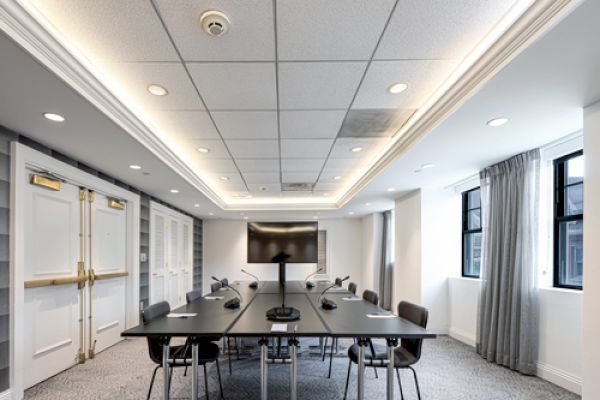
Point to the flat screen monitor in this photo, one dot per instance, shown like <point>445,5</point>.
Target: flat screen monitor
<point>291,242</point>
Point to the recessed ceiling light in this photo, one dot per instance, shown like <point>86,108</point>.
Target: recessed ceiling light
<point>337,178</point>
<point>203,150</point>
<point>54,117</point>
<point>224,178</point>
<point>263,188</point>
<point>211,213</point>
<point>196,205</point>
<point>157,90</point>
<point>351,212</point>
<point>427,165</point>
<point>356,149</point>
<point>174,191</point>
<point>398,88</point>
<point>391,189</point>
<point>136,167</point>
<point>497,122</point>
<point>367,204</point>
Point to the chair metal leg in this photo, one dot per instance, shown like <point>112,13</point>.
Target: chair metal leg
<point>152,382</point>
<point>170,379</point>
<point>324,349</point>
<point>219,375</point>
<point>205,381</point>
<point>416,382</point>
<point>237,348</point>
<point>229,355</point>
<point>331,356</point>
<point>399,384</point>
<point>347,379</point>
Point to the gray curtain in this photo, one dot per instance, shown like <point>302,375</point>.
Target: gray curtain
<point>386,266</point>
<point>508,325</point>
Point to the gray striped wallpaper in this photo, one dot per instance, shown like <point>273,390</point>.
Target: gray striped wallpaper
<point>7,136</point>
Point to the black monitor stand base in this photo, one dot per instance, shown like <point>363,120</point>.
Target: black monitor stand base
<point>283,313</point>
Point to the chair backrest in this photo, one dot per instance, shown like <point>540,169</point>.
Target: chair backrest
<point>352,287</point>
<point>338,281</point>
<point>148,315</point>
<point>193,295</point>
<point>417,315</point>
<point>215,286</point>
<point>371,296</point>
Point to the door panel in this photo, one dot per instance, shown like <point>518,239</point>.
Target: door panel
<point>175,298</point>
<point>158,258</point>
<point>52,225</point>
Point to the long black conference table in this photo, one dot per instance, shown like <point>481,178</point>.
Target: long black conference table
<point>353,318</point>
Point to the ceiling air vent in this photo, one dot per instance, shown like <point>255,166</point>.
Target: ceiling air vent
<point>297,187</point>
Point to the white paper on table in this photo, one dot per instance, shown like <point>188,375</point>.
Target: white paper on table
<point>380,315</point>
<point>279,328</point>
<point>352,298</point>
<point>214,297</point>
<point>181,315</point>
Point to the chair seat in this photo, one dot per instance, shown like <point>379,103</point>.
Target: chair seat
<point>402,358</point>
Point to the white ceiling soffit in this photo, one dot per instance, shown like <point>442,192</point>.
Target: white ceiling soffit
<point>343,74</point>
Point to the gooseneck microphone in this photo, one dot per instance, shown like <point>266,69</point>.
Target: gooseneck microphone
<point>254,284</point>
<point>231,303</point>
<point>311,284</point>
<point>326,303</point>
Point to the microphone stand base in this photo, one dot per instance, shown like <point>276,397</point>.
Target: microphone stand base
<point>283,314</point>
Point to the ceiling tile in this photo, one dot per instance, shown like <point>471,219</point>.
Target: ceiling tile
<point>224,166</point>
<point>253,148</point>
<point>251,24</point>
<point>187,124</point>
<point>233,178</point>
<point>257,165</point>
<point>302,164</point>
<point>305,148</point>
<point>134,78</point>
<point>272,190</point>
<point>299,177</point>
<point>327,186</point>
<point>217,148</point>
<point>438,29</point>
<point>342,147</point>
<point>422,76</point>
<point>318,85</point>
<point>261,178</point>
<point>236,86</point>
<point>233,189</point>
<point>330,30</point>
<point>341,164</point>
<point>310,124</point>
<point>374,122</point>
<point>246,124</point>
<point>104,29</point>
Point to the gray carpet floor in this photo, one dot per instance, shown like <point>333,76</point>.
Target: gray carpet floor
<point>449,370</point>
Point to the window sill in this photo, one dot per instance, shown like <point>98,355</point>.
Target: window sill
<point>561,290</point>
<point>466,278</point>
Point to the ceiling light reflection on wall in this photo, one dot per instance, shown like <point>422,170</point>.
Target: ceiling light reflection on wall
<point>496,122</point>
<point>398,88</point>
<point>357,149</point>
<point>203,150</point>
<point>174,191</point>
<point>157,90</point>
<point>224,178</point>
<point>53,117</point>
<point>136,167</point>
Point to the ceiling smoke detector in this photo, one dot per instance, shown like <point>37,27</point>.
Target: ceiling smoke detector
<point>215,23</point>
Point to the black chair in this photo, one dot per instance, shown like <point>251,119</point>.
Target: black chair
<point>405,355</point>
<point>352,287</point>
<point>180,356</point>
<point>371,296</point>
<point>215,287</point>
<point>193,295</point>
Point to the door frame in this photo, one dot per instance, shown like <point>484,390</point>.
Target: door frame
<point>23,157</point>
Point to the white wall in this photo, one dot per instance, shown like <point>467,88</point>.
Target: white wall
<point>224,249</point>
<point>591,254</point>
<point>371,254</point>
<point>407,266</point>
<point>463,299</point>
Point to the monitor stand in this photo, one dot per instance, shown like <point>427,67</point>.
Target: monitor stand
<point>283,313</point>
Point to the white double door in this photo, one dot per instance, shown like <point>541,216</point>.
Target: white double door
<point>171,255</point>
<point>75,276</point>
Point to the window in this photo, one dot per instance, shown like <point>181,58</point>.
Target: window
<point>568,221</point>
<point>471,236</point>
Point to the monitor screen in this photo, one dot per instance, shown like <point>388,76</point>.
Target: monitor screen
<point>292,242</point>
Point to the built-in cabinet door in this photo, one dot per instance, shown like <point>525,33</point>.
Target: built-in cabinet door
<point>158,258</point>
<point>108,288</point>
<point>175,295</point>
<point>186,277</point>
<point>52,298</point>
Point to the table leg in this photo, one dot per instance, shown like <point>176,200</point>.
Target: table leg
<point>194,371</point>
<point>166,370</point>
<point>361,369</point>
<point>264,352</point>
<point>390,368</point>
<point>293,349</point>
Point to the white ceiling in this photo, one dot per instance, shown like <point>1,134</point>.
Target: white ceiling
<point>278,86</point>
<point>542,92</point>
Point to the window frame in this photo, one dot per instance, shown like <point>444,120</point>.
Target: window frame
<point>559,210</point>
<point>465,227</point>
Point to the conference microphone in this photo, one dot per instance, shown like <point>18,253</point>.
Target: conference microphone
<point>310,284</point>
<point>231,303</point>
<point>326,303</point>
<point>252,285</point>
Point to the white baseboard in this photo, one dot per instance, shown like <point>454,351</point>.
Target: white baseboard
<point>462,336</point>
<point>7,395</point>
<point>559,377</point>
